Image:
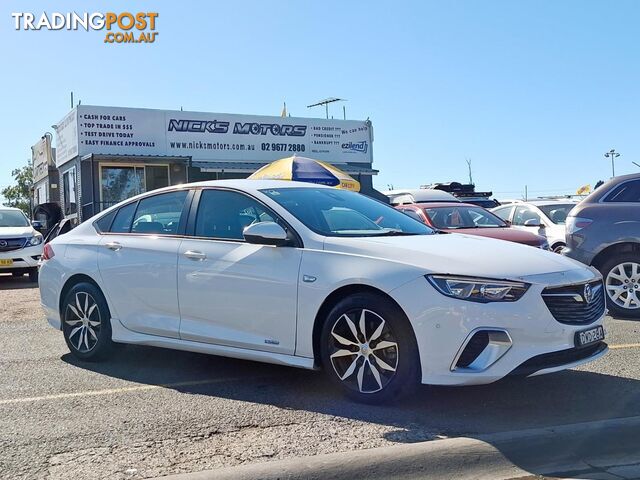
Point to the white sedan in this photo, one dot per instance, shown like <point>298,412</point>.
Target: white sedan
<point>314,277</point>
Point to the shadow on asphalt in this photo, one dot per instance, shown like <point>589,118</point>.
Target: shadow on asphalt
<point>9,282</point>
<point>510,404</point>
<point>431,412</point>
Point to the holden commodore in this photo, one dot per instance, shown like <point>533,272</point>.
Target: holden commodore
<point>313,277</point>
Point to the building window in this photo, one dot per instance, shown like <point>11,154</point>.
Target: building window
<point>69,191</point>
<point>117,183</point>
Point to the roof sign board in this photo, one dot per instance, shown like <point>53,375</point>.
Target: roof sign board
<point>215,137</point>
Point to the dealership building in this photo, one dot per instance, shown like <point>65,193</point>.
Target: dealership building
<point>104,155</point>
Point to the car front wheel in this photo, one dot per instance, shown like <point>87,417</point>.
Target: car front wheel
<point>622,283</point>
<point>369,350</point>
<point>86,323</point>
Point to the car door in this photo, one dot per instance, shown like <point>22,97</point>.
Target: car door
<point>137,259</point>
<point>529,219</point>
<point>232,292</point>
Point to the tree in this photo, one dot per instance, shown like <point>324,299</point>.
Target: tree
<point>19,195</point>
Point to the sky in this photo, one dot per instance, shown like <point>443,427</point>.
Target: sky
<point>533,92</point>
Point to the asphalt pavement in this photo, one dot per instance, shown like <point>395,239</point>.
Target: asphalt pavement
<point>153,412</point>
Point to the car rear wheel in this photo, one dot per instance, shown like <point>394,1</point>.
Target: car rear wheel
<point>622,284</point>
<point>369,350</point>
<point>86,323</point>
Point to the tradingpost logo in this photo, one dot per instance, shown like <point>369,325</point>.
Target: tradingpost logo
<point>124,27</point>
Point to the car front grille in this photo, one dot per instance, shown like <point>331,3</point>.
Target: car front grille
<point>10,244</point>
<point>573,305</point>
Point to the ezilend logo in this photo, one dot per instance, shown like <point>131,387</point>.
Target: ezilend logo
<point>360,147</point>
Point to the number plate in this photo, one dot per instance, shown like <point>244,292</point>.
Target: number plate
<point>6,262</point>
<point>590,336</point>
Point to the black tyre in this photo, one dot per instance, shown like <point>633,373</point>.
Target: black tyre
<point>368,349</point>
<point>621,275</point>
<point>86,323</point>
<point>33,275</point>
<point>558,247</point>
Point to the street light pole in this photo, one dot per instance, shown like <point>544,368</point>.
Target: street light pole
<point>613,155</point>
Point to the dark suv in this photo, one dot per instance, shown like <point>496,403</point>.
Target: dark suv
<point>604,231</point>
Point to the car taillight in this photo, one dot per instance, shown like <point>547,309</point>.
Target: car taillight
<point>47,252</point>
<point>575,224</point>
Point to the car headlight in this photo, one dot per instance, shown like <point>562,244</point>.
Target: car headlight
<point>35,240</point>
<point>482,290</point>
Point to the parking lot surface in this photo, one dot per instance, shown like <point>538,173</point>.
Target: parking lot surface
<point>152,412</point>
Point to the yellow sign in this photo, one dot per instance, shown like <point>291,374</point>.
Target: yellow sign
<point>6,262</point>
<point>585,189</point>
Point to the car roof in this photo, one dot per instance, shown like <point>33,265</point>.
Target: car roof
<point>419,195</point>
<point>13,209</point>
<point>438,205</point>
<point>542,203</point>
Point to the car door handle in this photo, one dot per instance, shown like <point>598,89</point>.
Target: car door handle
<point>194,255</point>
<point>115,246</point>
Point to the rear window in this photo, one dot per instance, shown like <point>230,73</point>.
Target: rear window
<point>627,192</point>
<point>122,221</point>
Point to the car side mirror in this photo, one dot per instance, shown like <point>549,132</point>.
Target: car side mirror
<point>266,233</point>
<point>532,222</point>
<point>507,223</point>
<point>37,225</point>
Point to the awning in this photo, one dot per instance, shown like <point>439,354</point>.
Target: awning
<point>250,167</point>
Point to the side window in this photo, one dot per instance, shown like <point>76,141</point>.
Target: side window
<point>627,192</point>
<point>159,214</point>
<point>122,221</point>
<point>225,214</point>
<point>524,215</point>
<point>504,213</point>
<point>103,224</point>
<point>413,214</point>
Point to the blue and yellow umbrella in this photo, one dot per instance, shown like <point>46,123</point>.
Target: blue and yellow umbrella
<point>303,169</point>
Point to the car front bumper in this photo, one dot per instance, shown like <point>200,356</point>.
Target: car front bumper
<point>444,326</point>
<point>21,259</point>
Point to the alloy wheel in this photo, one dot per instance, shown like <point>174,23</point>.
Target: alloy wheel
<point>363,351</point>
<point>83,320</point>
<point>623,285</point>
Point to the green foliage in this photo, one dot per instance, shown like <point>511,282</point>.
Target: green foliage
<point>19,194</point>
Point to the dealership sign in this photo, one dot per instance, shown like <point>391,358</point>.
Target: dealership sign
<point>215,137</point>
<point>41,158</point>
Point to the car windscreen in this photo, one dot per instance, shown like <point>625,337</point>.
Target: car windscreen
<point>333,212</point>
<point>463,217</point>
<point>557,213</point>
<point>13,218</point>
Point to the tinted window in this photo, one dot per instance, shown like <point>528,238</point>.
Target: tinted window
<point>225,214</point>
<point>13,218</point>
<point>413,214</point>
<point>159,214</point>
<point>504,213</point>
<point>557,213</point>
<point>332,212</point>
<point>103,224</point>
<point>122,221</point>
<point>525,214</point>
<point>463,217</point>
<point>627,192</point>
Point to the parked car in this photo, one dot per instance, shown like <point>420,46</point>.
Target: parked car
<point>310,276</point>
<point>20,244</point>
<point>604,231</point>
<point>543,217</point>
<point>470,219</point>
